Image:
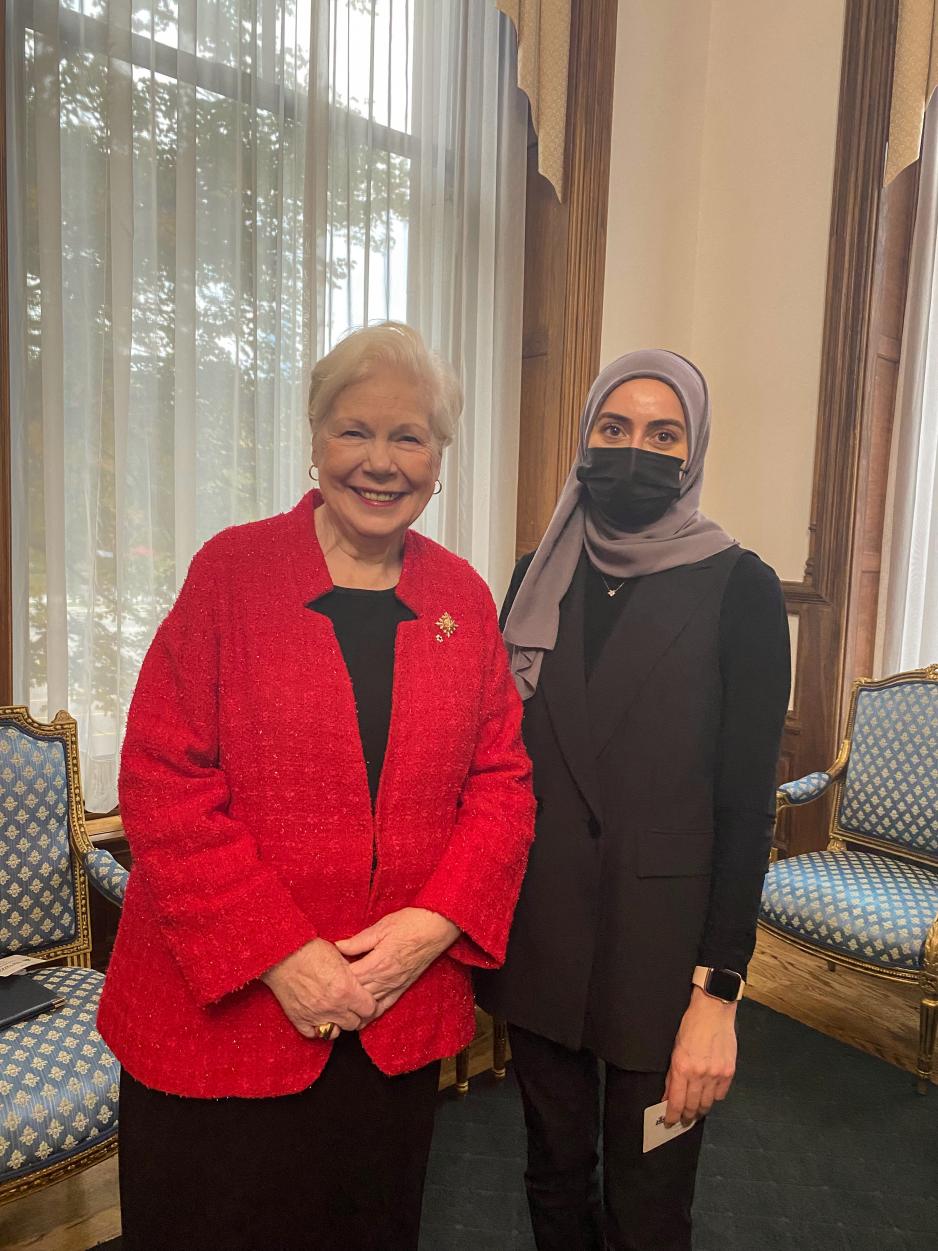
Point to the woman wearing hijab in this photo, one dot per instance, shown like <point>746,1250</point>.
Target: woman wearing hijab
<point>652,654</point>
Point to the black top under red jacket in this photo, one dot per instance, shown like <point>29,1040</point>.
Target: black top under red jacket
<point>245,798</point>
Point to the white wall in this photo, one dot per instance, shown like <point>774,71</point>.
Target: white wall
<point>654,177</point>
<point>724,127</point>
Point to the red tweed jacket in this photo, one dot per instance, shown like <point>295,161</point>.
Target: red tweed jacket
<point>245,800</point>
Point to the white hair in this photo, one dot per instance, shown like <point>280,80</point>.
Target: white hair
<point>394,345</point>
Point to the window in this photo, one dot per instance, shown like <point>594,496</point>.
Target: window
<point>199,206</point>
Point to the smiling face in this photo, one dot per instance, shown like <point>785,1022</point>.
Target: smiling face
<point>642,413</point>
<point>377,457</point>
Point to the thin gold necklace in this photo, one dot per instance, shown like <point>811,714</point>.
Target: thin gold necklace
<point>612,591</point>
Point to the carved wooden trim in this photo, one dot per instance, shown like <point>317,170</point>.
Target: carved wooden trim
<point>865,90</point>
<point>6,505</point>
<point>564,269</point>
<point>929,975</point>
<point>589,142</point>
<point>821,600</point>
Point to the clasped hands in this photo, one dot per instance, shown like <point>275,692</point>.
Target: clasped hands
<point>354,981</point>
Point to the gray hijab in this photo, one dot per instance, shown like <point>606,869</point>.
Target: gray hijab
<point>682,536</point>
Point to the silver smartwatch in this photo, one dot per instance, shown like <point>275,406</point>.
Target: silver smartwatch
<point>722,984</point>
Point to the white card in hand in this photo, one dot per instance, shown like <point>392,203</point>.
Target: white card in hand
<point>656,1132</point>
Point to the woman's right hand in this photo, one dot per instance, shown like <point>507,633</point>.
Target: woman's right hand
<point>316,984</point>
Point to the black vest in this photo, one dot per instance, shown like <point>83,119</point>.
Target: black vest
<point>615,899</point>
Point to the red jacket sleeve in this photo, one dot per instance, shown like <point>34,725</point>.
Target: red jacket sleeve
<point>225,914</point>
<point>478,878</point>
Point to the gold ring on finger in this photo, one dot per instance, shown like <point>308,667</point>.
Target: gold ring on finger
<point>324,1031</point>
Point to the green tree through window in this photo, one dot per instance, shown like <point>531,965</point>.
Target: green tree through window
<point>172,307</point>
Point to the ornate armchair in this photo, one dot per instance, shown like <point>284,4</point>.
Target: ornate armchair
<point>870,901</point>
<point>58,1081</point>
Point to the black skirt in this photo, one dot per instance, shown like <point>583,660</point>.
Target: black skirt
<point>339,1166</point>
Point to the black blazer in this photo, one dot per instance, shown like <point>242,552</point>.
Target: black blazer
<point>655,783</point>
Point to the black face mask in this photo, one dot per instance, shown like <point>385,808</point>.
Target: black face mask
<point>630,487</point>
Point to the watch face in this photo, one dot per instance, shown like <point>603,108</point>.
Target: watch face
<point>724,984</point>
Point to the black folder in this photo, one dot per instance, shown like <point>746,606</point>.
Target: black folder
<point>21,998</point>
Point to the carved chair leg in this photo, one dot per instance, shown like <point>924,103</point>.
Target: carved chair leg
<point>499,1047</point>
<point>462,1072</point>
<point>928,1027</point>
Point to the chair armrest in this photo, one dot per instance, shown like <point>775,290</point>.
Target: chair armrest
<point>812,785</point>
<point>106,874</point>
<point>802,790</point>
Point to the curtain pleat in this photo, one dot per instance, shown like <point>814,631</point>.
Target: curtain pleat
<point>908,624</point>
<point>915,77</point>
<point>543,28</point>
<point>180,261</point>
<point>204,197</point>
<point>49,416</point>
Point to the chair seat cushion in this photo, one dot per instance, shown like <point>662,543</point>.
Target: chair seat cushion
<point>58,1080</point>
<point>870,908</point>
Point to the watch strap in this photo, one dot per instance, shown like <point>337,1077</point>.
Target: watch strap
<point>704,977</point>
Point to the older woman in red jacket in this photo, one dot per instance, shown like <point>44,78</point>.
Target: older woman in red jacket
<point>328,802</point>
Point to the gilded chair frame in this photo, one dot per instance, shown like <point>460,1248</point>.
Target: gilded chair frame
<point>77,952</point>
<point>838,838</point>
<point>64,729</point>
<point>19,1187</point>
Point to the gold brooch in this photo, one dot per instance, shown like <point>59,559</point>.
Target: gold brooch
<point>447,625</point>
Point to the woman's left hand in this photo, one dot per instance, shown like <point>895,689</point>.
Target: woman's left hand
<point>390,955</point>
<point>703,1061</point>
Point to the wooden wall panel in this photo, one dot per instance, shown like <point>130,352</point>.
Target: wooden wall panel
<point>786,770</point>
<point>823,598</point>
<point>565,252</point>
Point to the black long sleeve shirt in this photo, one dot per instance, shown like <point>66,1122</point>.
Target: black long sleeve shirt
<point>755,676</point>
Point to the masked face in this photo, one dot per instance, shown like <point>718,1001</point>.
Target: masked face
<point>635,451</point>
<point>628,486</point>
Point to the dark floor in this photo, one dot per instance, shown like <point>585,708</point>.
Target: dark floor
<point>819,1148</point>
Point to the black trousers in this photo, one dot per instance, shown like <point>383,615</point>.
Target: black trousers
<point>339,1166</point>
<point>645,1202</point>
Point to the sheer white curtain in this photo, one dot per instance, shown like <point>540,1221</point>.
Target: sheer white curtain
<point>203,197</point>
<point>908,625</point>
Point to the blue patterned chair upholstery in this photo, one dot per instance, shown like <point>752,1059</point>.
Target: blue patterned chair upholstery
<point>58,1080</point>
<point>871,900</point>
